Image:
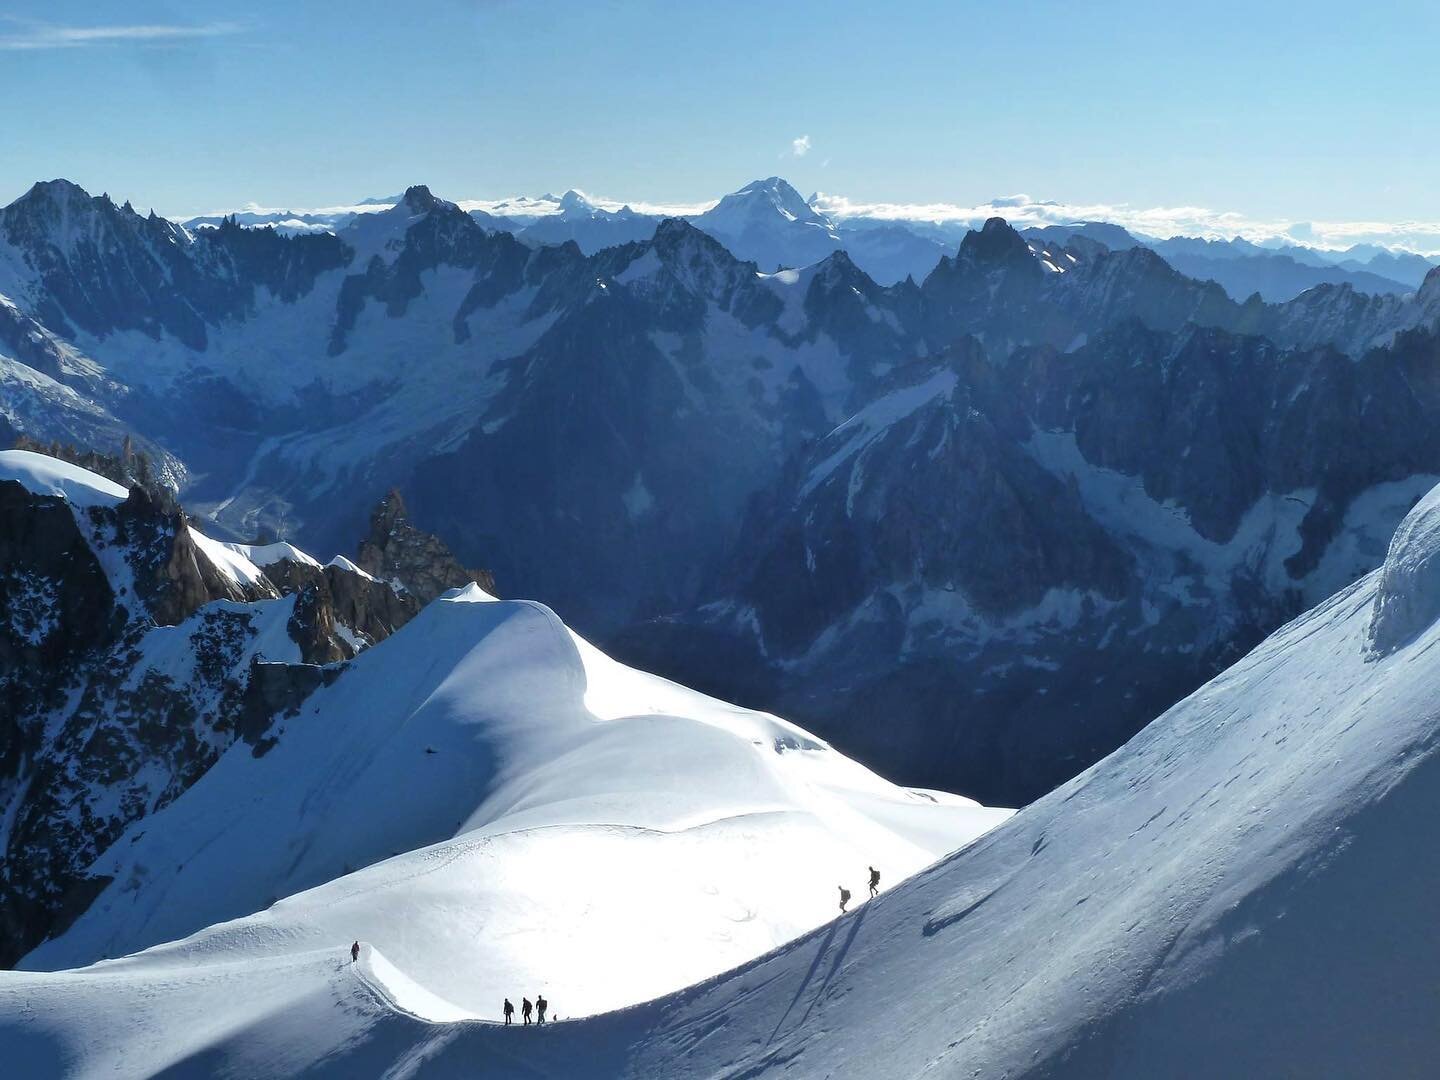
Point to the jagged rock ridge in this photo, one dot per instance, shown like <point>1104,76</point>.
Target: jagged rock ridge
<point>133,650</point>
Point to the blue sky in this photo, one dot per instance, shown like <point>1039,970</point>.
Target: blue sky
<point>1304,111</point>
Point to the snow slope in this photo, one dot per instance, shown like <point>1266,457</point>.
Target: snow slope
<point>555,819</point>
<point>45,475</point>
<point>1245,889</point>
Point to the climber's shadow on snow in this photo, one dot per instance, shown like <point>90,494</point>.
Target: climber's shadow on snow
<point>854,919</point>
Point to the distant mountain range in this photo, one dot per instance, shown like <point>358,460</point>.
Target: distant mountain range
<point>771,224</point>
<point>975,527</point>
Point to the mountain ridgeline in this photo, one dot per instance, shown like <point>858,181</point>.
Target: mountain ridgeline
<point>975,528</point>
<point>134,650</point>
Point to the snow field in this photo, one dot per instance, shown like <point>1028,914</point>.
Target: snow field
<point>499,808</point>
<point>1244,889</point>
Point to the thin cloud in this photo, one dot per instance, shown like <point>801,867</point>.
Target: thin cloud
<point>801,146</point>
<point>28,34</point>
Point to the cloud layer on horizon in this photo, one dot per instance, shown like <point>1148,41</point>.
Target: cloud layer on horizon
<point>1022,211</point>
<point>1160,222</point>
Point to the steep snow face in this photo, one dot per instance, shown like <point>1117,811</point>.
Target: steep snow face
<point>228,559</point>
<point>263,555</point>
<point>770,223</point>
<point>760,202</point>
<point>1407,597</point>
<point>1246,865</point>
<point>1238,891</point>
<point>527,787</point>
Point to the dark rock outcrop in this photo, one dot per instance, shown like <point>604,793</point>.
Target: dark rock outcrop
<point>995,574</point>
<point>419,562</point>
<point>122,680</point>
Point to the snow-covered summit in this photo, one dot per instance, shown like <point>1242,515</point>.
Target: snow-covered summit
<point>760,200</point>
<point>575,203</point>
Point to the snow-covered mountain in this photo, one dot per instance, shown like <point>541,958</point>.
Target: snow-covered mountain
<point>1047,552</point>
<point>135,649</point>
<point>769,223</point>
<point>1238,891</point>
<point>598,428</point>
<point>591,227</point>
<point>766,222</point>
<point>511,792</point>
<point>479,789</point>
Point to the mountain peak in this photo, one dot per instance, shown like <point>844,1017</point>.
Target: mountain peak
<point>839,266</point>
<point>575,202</point>
<point>396,551</point>
<point>995,242</point>
<point>1431,285</point>
<point>419,200</point>
<point>58,188</point>
<point>674,230</point>
<point>60,194</point>
<point>779,192</point>
<point>761,201</point>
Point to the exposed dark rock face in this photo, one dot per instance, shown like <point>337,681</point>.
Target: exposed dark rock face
<point>57,605</point>
<point>128,661</point>
<point>419,562</point>
<point>104,268</point>
<point>1029,560</point>
<point>275,691</point>
<point>373,608</point>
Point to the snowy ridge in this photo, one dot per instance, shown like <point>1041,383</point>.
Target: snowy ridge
<point>229,559</point>
<point>44,475</point>
<point>1176,889</point>
<point>263,555</point>
<point>543,783</point>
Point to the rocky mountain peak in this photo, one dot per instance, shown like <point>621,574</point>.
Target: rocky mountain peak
<point>417,561</point>
<point>674,230</point>
<point>418,200</point>
<point>689,253</point>
<point>1430,288</point>
<point>995,243</point>
<point>58,192</point>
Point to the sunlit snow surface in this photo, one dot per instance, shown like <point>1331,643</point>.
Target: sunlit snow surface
<point>498,808</point>
<point>45,475</point>
<point>1247,888</point>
